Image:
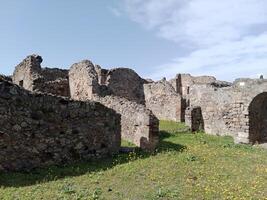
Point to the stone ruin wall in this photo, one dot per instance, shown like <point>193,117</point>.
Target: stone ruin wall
<point>138,124</point>
<point>29,75</point>
<point>229,110</point>
<point>27,71</point>
<point>121,82</point>
<point>83,81</point>
<point>203,102</point>
<point>126,83</point>
<point>38,130</point>
<point>163,100</point>
<point>183,82</point>
<point>214,105</point>
<point>47,129</point>
<point>53,81</point>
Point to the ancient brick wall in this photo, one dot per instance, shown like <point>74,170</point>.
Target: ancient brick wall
<point>39,130</point>
<point>138,124</point>
<point>163,100</point>
<point>29,75</point>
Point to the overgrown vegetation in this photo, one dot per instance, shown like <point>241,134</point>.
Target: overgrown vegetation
<point>185,166</point>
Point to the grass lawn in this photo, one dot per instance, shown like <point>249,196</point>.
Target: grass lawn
<point>185,166</point>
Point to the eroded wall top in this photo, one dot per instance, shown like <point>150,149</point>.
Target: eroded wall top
<point>29,75</point>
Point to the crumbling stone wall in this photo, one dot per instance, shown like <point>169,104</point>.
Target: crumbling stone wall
<point>102,75</point>
<point>29,75</point>
<point>27,71</point>
<point>163,100</point>
<point>83,80</point>
<point>183,82</point>
<point>39,130</point>
<point>237,110</point>
<point>126,83</point>
<point>138,124</point>
<point>214,106</point>
<point>221,108</point>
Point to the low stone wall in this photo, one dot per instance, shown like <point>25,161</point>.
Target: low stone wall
<point>163,101</point>
<point>39,130</point>
<point>138,124</point>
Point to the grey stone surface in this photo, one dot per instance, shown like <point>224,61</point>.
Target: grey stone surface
<point>163,100</point>
<point>124,82</point>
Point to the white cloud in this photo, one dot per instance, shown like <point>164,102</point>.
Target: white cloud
<point>229,37</point>
<point>115,11</point>
<point>201,22</point>
<point>246,58</point>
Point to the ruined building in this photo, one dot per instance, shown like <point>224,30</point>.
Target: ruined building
<point>54,116</point>
<point>120,89</point>
<point>238,110</point>
<point>29,75</point>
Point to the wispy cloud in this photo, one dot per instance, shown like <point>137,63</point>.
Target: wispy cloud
<point>115,11</point>
<point>228,38</point>
<point>246,58</point>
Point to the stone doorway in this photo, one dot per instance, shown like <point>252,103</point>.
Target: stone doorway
<point>194,119</point>
<point>258,119</point>
<point>21,83</point>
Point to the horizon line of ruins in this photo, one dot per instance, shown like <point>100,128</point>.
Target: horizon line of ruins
<point>57,116</point>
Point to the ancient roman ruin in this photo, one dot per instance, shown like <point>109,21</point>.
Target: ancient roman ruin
<point>55,116</point>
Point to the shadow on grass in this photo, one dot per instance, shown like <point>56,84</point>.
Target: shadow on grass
<point>168,146</point>
<point>21,179</point>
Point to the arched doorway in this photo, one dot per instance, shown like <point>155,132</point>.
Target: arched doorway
<point>258,119</point>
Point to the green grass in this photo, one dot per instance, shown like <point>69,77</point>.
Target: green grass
<point>185,166</point>
<point>125,143</point>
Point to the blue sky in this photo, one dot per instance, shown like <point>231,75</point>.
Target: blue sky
<point>227,39</point>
